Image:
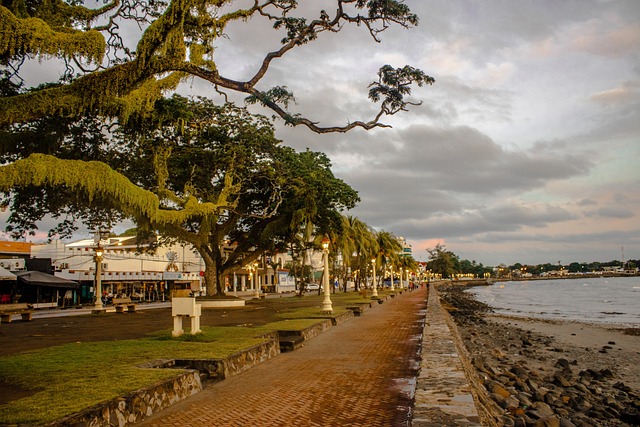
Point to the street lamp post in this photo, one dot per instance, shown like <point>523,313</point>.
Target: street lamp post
<point>256,286</point>
<point>98,259</point>
<point>374,294</point>
<point>326,304</point>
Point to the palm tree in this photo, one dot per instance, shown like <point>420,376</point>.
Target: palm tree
<point>389,248</point>
<point>366,246</point>
<point>353,242</point>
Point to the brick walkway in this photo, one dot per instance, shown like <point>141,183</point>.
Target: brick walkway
<point>360,373</point>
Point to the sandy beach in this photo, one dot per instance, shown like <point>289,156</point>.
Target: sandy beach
<point>613,346</point>
<point>550,373</point>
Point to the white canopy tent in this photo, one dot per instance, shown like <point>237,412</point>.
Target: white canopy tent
<point>6,274</point>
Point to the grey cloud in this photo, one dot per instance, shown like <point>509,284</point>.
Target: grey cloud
<point>611,212</point>
<point>477,220</point>
<point>587,202</point>
<point>463,159</point>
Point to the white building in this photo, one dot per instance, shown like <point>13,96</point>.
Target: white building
<point>126,271</point>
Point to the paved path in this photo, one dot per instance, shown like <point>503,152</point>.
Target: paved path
<point>360,373</point>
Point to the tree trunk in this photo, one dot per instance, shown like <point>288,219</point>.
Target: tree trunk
<point>214,282</point>
<point>210,279</point>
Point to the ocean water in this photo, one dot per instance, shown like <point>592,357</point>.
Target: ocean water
<point>597,300</point>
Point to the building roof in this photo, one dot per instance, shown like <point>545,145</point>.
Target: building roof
<point>15,248</point>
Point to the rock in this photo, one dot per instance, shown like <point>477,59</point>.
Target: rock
<point>542,408</point>
<point>525,399</point>
<point>520,372</point>
<point>631,417</point>
<point>520,422</point>
<point>551,421</point>
<point>507,421</point>
<point>606,373</point>
<point>512,403</point>
<point>500,400</point>
<point>623,387</point>
<point>560,379</point>
<point>498,354</point>
<point>495,387</point>
<point>562,363</point>
<point>581,387</point>
<point>532,384</point>
<point>564,422</point>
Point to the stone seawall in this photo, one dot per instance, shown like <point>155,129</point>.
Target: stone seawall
<point>444,395</point>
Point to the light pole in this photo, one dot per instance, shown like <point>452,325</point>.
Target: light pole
<point>326,304</point>
<point>393,288</point>
<point>98,259</point>
<point>374,294</point>
<point>256,288</point>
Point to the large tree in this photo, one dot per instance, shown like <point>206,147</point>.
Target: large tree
<point>442,261</point>
<point>179,40</point>
<point>196,172</point>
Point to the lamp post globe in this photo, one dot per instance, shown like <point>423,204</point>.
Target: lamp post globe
<point>327,307</point>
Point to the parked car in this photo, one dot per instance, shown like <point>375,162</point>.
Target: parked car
<point>312,287</point>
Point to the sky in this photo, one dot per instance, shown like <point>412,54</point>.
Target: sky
<point>526,149</point>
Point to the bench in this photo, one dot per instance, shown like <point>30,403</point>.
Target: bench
<point>8,310</point>
<point>121,303</point>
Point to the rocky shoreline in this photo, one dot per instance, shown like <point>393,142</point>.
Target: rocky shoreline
<point>533,376</point>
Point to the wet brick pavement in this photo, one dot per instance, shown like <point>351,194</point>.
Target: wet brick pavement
<point>360,373</point>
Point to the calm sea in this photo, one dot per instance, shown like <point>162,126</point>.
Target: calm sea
<point>598,300</point>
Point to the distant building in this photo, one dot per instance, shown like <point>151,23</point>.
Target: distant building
<point>406,248</point>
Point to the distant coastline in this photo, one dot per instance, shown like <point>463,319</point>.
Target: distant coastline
<point>564,276</point>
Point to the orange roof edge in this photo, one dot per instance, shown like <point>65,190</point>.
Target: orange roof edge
<point>16,247</point>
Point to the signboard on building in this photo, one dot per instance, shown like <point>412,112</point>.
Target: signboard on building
<point>174,275</point>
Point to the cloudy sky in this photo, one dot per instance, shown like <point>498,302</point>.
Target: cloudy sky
<point>526,149</point>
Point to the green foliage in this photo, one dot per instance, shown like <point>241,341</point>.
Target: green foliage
<point>394,84</point>
<point>442,261</point>
<point>33,36</point>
